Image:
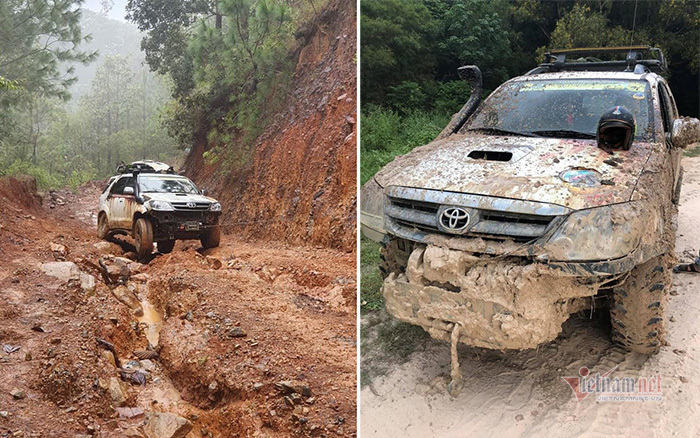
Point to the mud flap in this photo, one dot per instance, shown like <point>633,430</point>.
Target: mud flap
<point>456,384</point>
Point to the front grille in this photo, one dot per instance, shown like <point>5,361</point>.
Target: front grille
<point>488,223</point>
<point>182,206</point>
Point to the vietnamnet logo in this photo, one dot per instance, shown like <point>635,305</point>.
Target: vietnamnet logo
<point>606,388</point>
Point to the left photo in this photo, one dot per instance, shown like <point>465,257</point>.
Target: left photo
<point>178,193</point>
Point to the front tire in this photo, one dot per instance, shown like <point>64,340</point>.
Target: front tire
<point>394,256</point>
<point>143,235</point>
<point>102,226</point>
<point>211,238</point>
<point>637,313</point>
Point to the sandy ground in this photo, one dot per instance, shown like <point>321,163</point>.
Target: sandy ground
<point>523,393</point>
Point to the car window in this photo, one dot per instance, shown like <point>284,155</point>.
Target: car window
<point>109,182</point>
<point>118,188</point>
<point>166,184</point>
<point>562,105</point>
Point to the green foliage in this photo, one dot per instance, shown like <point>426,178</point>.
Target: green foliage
<point>396,38</point>
<point>386,134</point>
<point>370,277</point>
<point>37,38</point>
<point>407,45</point>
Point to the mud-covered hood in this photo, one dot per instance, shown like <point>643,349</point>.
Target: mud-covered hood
<point>173,197</point>
<point>535,169</point>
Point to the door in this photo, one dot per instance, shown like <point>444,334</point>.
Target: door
<point>121,204</point>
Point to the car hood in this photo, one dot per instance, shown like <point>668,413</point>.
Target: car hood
<point>533,171</point>
<point>173,197</point>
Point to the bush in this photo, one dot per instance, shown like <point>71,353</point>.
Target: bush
<point>386,134</point>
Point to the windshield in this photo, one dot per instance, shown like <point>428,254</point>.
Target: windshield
<point>561,108</point>
<point>166,184</point>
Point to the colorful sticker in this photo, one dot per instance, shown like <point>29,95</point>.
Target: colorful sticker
<point>638,96</point>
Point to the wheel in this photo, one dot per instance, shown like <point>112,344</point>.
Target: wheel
<point>166,246</point>
<point>102,226</point>
<point>637,313</point>
<point>143,234</point>
<point>394,256</point>
<point>677,191</point>
<point>211,238</point>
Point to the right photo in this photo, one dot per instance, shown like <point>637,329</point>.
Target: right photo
<point>530,187</point>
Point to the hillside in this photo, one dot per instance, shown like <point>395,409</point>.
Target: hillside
<point>300,186</point>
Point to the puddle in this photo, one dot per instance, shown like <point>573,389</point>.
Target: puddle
<point>153,320</point>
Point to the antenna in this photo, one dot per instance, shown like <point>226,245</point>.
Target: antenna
<point>634,21</point>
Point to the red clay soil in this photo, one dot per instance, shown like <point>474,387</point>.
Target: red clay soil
<point>237,320</point>
<point>301,184</point>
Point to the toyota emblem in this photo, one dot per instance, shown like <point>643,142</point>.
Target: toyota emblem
<point>192,205</point>
<point>454,219</point>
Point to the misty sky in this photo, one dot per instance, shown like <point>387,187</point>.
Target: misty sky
<point>117,12</point>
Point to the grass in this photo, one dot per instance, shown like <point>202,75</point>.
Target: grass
<point>694,152</point>
<point>370,277</point>
<point>386,134</point>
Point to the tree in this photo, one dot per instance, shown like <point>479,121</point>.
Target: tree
<point>36,37</point>
<point>396,39</point>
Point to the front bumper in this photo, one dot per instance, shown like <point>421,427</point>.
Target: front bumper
<point>499,304</point>
<point>168,225</point>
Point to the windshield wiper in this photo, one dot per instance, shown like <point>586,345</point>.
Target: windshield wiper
<point>497,131</point>
<point>564,133</point>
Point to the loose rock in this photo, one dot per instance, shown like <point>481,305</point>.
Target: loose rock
<point>167,425</point>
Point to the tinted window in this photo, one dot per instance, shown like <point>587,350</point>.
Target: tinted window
<point>165,184</point>
<point>118,188</point>
<point>555,105</point>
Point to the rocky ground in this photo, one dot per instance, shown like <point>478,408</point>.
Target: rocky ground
<point>522,393</point>
<point>247,339</point>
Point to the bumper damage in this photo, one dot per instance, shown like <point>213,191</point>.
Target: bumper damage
<point>498,303</point>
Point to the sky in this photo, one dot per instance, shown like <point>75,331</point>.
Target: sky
<point>117,11</point>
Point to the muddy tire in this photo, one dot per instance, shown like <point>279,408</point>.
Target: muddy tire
<point>394,257</point>
<point>143,235</point>
<point>637,313</point>
<point>166,246</point>
<point>211,238</point>
<point>102,226</point>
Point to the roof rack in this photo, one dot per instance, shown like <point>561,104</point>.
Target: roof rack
<point>145,166</point>
<point>556,60</point>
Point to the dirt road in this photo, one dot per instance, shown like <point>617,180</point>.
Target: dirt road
<point>523,393</point>
<point>247,339</point>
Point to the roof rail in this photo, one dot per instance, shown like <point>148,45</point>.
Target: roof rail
<point>556,60</point>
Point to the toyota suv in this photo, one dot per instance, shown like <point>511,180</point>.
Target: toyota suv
<point>517,215</point>
<point>155,205</point>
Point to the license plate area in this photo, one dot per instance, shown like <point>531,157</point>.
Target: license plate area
<point>191,226</point>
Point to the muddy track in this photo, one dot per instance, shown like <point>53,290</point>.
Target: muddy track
<point>523,393</point>
<point>196,343</point>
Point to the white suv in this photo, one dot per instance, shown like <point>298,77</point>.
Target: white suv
<point>155,205</point>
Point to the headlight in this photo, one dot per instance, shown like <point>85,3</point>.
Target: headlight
<point>214,206</point>
<point>372,210</point>
<point>160,206</point>
<point>602,233</point>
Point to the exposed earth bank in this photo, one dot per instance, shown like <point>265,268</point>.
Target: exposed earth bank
<point>522,393</point>
<point>248,339</point>
<point>299,185</point>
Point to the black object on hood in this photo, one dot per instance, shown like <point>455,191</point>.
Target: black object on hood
<point>616,129</point>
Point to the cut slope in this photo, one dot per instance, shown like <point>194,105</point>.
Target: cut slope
<point>300,186</point>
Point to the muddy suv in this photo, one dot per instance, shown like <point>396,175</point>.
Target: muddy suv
<point>516,216</point>
<point>155,205</point>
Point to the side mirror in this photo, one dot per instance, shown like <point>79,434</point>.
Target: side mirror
<point>685,131</point>
<point>128,191</point>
